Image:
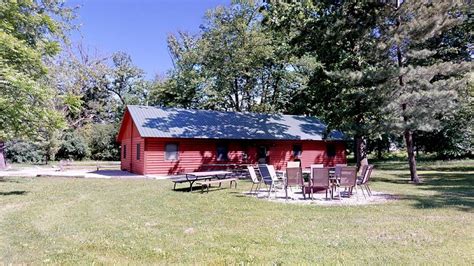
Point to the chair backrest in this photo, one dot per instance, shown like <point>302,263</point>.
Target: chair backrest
<point>265,173</point>
<point>363,169</point>
<point>294,176</point>
<point>317,165</point>
<point>253,174</point>
<point>348,176</point>
<point>271,170</point>
<point>293,164</point>
<point>368,172</point>
<point>319,177</point>
<point>338,168</point>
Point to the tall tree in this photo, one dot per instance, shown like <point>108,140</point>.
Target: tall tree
<point>428,84</point>
<point>235,63</point>
<point>182,86</point>
<point>79,77</point>
<point>30,31</point>
<point>126,83</point>
<point>345,84</point>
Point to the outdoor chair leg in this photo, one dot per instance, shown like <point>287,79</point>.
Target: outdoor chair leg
<point>269,191</point>
<point>251,188</point>
<point>357,193</point>
<point>266,187</point>
<point>368,189</point>
<point>363,193</point>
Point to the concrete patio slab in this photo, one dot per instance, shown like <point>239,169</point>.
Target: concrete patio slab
<point>77,173</point>
<point>296,197</point>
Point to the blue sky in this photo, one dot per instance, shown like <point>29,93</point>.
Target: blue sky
<point>139,27</point>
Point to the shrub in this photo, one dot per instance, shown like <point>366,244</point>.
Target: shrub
<point>24,152</point>
<point>101,141</point>
<point>73,146</point>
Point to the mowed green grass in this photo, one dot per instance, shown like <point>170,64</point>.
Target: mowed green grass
<point>69,221</point>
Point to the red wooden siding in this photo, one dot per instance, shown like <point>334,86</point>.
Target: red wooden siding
<point>130,137</point>
<point>313,152</point>
<point>194,154</point>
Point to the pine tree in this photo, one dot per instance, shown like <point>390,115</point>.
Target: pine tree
<point>427,86</point>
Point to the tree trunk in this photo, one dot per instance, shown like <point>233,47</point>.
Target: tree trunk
<point>360,151</point>
<point>3,164</point>
<point>236,95</point>
<point>411,156</point>
<point>379,149</point>
<point>408,133</point>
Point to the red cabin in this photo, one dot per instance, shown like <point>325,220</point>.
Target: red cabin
<point>170,140</point>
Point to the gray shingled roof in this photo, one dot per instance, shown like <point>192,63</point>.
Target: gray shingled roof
<point>187,123</point>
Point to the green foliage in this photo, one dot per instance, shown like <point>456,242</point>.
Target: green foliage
<point>29,32</point>
<point>101,141</point>
<point>24,152</point>
<point>234,63</point>
<point>73,146</point>
<point>126,80</point>
<point>432,64</point>
<point>455,138</point>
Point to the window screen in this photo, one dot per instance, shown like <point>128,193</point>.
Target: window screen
<point>222,151</point>
<point>331,150</point>
<point>297,151</point>
<point>171,152</point>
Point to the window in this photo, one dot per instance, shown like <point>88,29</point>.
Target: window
<point>171,152</point>
<point>262,154</point>
<point>138,152</point>
<point>124,149</point>
<point>222,151</point>
<point>331,150</point>
<point>297,151</point>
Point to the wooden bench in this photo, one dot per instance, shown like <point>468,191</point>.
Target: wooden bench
<point>208,183</point>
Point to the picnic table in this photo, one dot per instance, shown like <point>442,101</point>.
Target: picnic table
<point>204,176</point>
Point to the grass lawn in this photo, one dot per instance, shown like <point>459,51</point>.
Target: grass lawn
<point>53,220</point>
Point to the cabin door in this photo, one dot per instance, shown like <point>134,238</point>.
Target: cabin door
<point>262,155</point>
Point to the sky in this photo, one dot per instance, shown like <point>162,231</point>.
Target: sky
<point>138,27</point>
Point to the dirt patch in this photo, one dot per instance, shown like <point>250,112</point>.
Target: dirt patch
<point>320,198</point>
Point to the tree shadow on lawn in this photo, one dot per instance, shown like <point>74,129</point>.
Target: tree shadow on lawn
<point>14,192</point>
<point>200,188</point>
<point>402,166</point>
<point>7,180</point>
<point>453,190</point>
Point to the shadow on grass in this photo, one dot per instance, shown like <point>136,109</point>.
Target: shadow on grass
<point>425,166</point>
<point>452,190</point>
<point>200,188</point>
<point>6,180</point>
<point>15,192</point>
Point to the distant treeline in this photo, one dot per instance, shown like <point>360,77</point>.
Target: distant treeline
<point>383,73</point>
